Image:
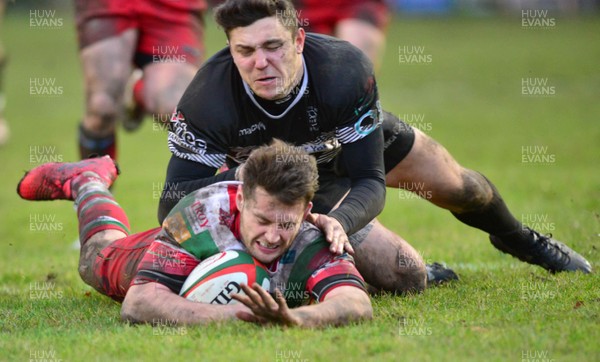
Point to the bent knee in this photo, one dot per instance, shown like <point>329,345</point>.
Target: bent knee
<point>102,111</point>
<point>475,193</point>
<point>471,191</point>
<point>408,275</point>
<point>410,278</point>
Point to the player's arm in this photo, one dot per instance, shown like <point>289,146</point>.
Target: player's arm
<point>363,160</point>
<point>156,303</point>
<point>342,305</point>
<point>333,283</point>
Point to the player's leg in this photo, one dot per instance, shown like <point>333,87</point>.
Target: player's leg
<point>365,36</point>
<point>387,261</point>
<point>170,52</point>
<point>107,45</point>
<point>360,22</point>
<point>109,255</point>
<point>471,197</point>
<point>164,85</point>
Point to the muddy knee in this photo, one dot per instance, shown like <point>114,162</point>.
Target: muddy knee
<point>398,271</point>
<point>86,265</point>
<point>473,194</point>
<point>88,254</point>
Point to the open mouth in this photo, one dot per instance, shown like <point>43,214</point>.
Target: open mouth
<point>266,247</point>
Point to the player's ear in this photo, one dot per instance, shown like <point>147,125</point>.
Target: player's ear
<point>299,40</point>
<point>239,197</point>
<point>307,211</point>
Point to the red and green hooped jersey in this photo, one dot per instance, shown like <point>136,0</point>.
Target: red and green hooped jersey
<point>206,222</point>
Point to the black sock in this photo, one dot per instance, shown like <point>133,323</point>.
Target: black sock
<point>495,219</point>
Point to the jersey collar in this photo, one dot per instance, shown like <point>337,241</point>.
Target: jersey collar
<point>296,100</point>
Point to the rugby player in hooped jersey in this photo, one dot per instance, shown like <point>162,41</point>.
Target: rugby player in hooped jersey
<point>264,216</point>
<point>319,93</point>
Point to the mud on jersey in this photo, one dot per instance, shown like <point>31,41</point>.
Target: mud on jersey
<point>206,222</point>
<point>219,117</point>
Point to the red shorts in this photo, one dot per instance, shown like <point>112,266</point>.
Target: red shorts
<point>166,28</point>
<point>128,261</point>
<point>322,16</point>
<point>117,264</point>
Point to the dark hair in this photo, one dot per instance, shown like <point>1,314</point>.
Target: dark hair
<point>235,13</point>
<point>286,172</point>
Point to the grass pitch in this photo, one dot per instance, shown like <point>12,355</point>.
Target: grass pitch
<point>517,104</point>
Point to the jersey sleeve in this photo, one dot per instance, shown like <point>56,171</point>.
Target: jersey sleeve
<point>354,104</point>
<point>308,270</point>
<point>361,136</point>
<point>190,143</point>
<point>363,116</point>
<point>336,272</point>
<point>165,263</point>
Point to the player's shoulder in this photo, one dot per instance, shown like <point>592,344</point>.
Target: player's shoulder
<point>202,221</point>
<point>339,72</point>
<point>204,208</point>
<point>336,60</point>
<point>309,242</point>
<point>210,93</point>
<point>217,196</point>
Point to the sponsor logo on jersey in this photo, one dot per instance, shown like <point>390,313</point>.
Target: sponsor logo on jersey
<point>369,121</point>
<point>196,214</point>
<point>183,137</point>
<point>313,123</point>
<point>250,130</point>
<point>366,124</point>
<point>225,218</point>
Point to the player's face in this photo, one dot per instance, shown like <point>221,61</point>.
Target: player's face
<point>267,226</point>
<point>268,57</point>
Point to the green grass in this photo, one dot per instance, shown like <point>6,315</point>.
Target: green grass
<point>470,97</point>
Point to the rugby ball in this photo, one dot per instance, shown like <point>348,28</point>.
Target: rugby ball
<point>216,278</point>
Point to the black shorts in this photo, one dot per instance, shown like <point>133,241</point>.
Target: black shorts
<point>334,183</point>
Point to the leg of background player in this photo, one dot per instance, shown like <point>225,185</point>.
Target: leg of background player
<point>364,36</point>
<point>106,68</point>
<point>476,202</point>
<point>163,86</point>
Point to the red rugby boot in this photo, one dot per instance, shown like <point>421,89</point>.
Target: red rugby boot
<point>52,181</point>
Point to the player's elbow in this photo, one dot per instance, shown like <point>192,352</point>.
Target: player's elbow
<point>129,311</point>
<point>132,309</point>
<point>365,308</point>
<point>353,305</point>
<point>360,310</point>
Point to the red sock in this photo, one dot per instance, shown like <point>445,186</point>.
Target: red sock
<point>138,93</point>
<point>97,209</point>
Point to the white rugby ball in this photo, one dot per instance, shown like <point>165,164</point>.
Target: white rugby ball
<point>216,278</point>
